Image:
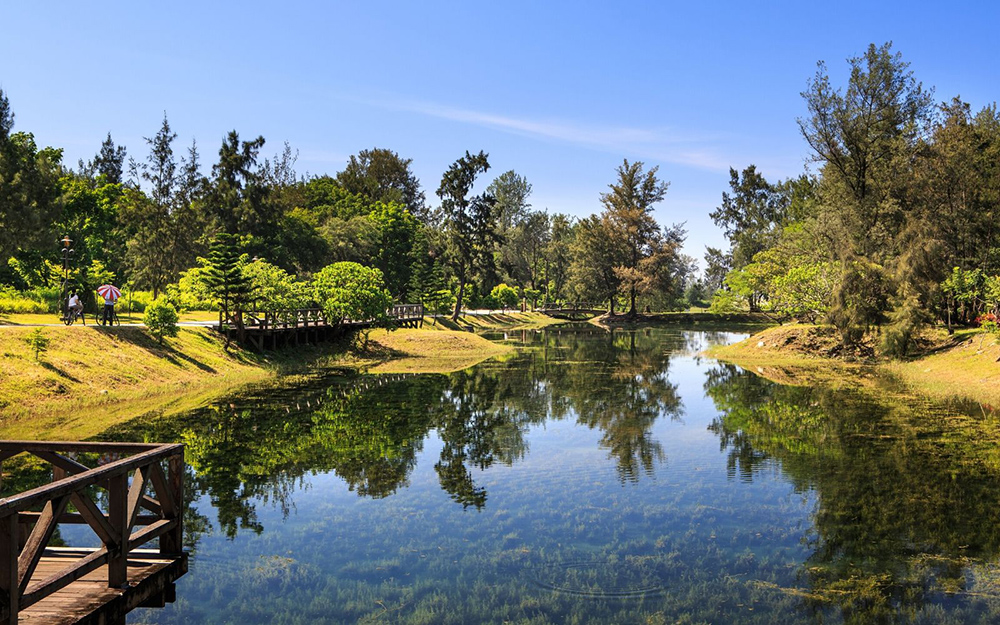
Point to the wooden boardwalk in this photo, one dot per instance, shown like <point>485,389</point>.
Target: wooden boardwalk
<point>304,326</point>
<point>43,583</point>
<point>90,600</point>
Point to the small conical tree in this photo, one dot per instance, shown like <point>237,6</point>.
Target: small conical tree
<point>37,342</point>
<point>225,279</point>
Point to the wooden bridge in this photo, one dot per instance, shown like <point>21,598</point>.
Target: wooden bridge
<point>43,583</point>
<point>572,310</point>
<point>280,328</point>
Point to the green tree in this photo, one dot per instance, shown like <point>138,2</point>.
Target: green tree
<point>29,188</point>
<point>558,255</point>
<point>628,219</point>
<point>381,175</point>
<point>717,265</point>
<point>159,230</point>
<point>238,197</point>
<point>511,191</point>
<point>109,162</point>
<point>349,291</point>
<point>396,232</point>
<point>751,215</point>
<point>469,223</point>
<point>273,288</point>
<point>505,296</point>
<point>866,139</point>
<point>37,342</point>
<point>160,319</point>
<point>225,279</point>
<point>595,257</point>
<point>439,302</point>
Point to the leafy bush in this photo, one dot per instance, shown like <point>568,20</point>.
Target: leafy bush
<point>728,301</point>
<point>273,288</point>
<point>351,291</point>
<point>990,323</point>
<point>161,319</point>
<point>12,301</point>
<point>138,300</point>
<point>439,302</point>
<point>505,296</point>
<point>905,319</point>
<point>191,291</point>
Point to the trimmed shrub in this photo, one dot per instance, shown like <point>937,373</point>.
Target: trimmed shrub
<point>160,319</point>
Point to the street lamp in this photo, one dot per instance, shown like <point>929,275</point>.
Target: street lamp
<point>67,257</point>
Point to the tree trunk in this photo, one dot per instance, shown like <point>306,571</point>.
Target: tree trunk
<point>631,310</point>
<point>458,300</point>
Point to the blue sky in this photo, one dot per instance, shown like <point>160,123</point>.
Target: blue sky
<point>560,92</point>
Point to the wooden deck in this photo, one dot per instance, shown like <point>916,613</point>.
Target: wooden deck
<point>143,502</point>
<point>89,600</point>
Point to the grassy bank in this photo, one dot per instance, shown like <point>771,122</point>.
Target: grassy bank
<point>427,350</point>
<point>91,378</point>
<point>94,376</point>
<point>494,321</point>
<point>964,366</point>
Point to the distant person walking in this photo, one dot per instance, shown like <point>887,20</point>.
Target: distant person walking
<point>110,293</point>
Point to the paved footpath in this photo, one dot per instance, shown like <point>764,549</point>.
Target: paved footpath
<point>194,324</point>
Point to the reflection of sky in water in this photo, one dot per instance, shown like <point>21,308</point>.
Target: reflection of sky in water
<point>565,532</point>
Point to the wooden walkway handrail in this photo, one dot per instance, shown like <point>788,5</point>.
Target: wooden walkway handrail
<point>79,481</point>
<point>314,317</point>
<point>570,306</point>
<point>152,488</point>
<point>16,446</point>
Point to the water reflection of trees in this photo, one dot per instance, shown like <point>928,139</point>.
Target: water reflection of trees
<point>905,495</point>
<point>369,431</point>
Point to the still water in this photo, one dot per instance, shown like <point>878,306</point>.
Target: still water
<point>591,478</point>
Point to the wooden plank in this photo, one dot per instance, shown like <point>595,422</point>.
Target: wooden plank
<point>38,539</point>
<point>57,581</point>
<point>173,542</point>
<point>79,446</point>
<point>74,518</point>
<point>148,533</point>
<point>95,518</point>
<point>118,518</point>
<point>9,591</point>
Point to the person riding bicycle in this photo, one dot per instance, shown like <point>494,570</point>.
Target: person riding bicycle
<point>74,306</point>
<point>110,299</point>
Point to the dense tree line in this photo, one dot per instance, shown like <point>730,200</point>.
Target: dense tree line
<point>894,226</point>
<point>148,222</point>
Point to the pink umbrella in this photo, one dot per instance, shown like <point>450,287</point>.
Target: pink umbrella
<point>109,292</point>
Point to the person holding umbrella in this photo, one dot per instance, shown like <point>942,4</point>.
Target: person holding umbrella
<point>110,293</point>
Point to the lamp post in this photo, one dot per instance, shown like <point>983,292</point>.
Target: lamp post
<point>67,257</point>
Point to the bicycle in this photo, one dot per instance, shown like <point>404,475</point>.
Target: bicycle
<point>72,315</point>
<point>114,321</point>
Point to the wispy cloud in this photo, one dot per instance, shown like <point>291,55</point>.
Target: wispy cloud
<point>663,144</point>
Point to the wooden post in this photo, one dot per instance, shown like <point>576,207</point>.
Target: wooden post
<point>118,517</point>
<point>173,542</point>
<point>9,543</point>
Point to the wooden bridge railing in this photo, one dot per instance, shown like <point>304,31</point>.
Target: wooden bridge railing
<point>406,312</point>
<point>570,306</point>
<point>121,529</point>
<point>314,317</point>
